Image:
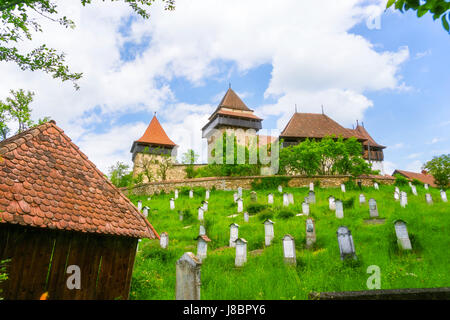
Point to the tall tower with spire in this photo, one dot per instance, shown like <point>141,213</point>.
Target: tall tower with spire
<point>233,117</point>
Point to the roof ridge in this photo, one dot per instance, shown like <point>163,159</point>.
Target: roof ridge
<point>23,135</point>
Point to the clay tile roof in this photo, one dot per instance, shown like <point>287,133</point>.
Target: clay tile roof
<point>360,131</point>
<point>314,125</point>
<point>47,182</point>
<point>155,134</point>
<point>231,100</point>
<point>423,177</point>
<point>237,114</point>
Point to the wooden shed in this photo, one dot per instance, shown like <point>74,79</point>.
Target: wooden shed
<point>58,210</point>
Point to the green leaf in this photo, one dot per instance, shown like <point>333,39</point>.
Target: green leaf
<point>421,11</point>
<point>445,23</point>
<point>390,3</point>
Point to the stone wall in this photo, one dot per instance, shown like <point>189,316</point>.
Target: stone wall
<point>232,183</point>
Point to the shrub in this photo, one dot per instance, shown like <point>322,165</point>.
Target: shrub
<point>265,215</point>
<point>267,183</point>
<point>286,214</point>
<point>254,208</point>
<point>416,182</point>
<point>350,184</point>
<point>347,204</point>
<point>400,180</point>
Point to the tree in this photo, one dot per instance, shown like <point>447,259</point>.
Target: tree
<point>439,167</point>
<point>189,158</point>
<point>18,25</point>
<point>17,109</point>
<point>120,175</point>
<point>438,8</point>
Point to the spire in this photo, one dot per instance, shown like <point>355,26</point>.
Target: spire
<point>155,134</point>
<point>231,100</point>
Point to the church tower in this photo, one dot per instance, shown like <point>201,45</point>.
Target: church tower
<point>233,117</point>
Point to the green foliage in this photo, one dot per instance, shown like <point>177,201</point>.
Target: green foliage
<point>439,167</point>
<point>189,158</point>
<point>348,203</point>
<point>269,183</point>
<point>265,215</point>
<point>400,180</point>
<point>18,25</point>
<point>285,214</point>
<point>3,274</point>
<point>416,182</point>
<point>120,175</point>
<point>351,185</point>
<point>254,208</point>
<point>438,8</point>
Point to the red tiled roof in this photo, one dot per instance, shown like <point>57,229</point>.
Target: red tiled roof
<point>425,178</point>
<point>155,134</point>
<point>231,100</point>
<point>47,182</point>
<point>360,131</point>
<point>238,114</point>
<point>314,125</point>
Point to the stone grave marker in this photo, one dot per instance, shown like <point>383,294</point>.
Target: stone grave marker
<point>268,232</point>
<point>241,252</point>
<point>305,208</point>
<point>343,187</point>
<point>235,197</point>
<point>396,195</point>
<point>414,190</point>
<point>310,233</point>
<point>202,230</point>
<point>280,189</point>
<point>253,196</point>
<point>425,186</point>
<point>246,216</point>
<point>200,213</point>
<point>202,246</point>
<point>164,240</point>
<point>234,231</point>
<point>145,211</point>
<point>289,250</point>
<point>240,192</point>
<point>403,199</point>
<point>429,198</point>
<point>188,277</point>
<point>410,184</point>
<point>207,195</point>
<point>240,206</point>
<point>373,208</point>
<point>205,206</point>
<point>311,186</point>
<point>402,235</point>
<point>362,199</point>
<point>339,209</point>
<point>172,203</point>
<point>270,198</point>
<point>345,241</point>
<point>375,185</point>
<point>397,190</point>
<point>306,199</point>
<point>176,194</point>
<point>139,205</point>
<point>191,193</point>
<point>443,196</point>
<point>311,197</point>
<point>285,200</point>
<point>331,203</point>
<point>291,198</point>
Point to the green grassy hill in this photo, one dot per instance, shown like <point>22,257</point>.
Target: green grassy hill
<point>265,275</point>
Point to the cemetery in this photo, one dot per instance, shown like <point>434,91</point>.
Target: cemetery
<point>262,250</point>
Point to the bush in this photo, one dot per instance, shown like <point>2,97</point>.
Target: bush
<point>347,204</point>
<point>254,208</point>
<point>351,185</point>
<point>400,180</point>
<point>286,214</point>
<point>267,183</point>
<point>417,182</point>
<point>265,215</point>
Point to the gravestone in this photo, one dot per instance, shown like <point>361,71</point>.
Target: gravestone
<point>180,214</point>
<point>410,184</point>
<point>139,205</point>
<point>268,232</point>
<point>200,213</point>
<point>253,196</point>
<point>289,250</point>
<point>172,203</point>
<point>311,186</point>
<point>397,190</point>
<point>188,277</point>
<point>240,192</point>
<point>373,208</point>
<point>403,199</point>
<point>331,203</point>
<point>343,187</point>
<point>414,190</point>
<point>202,246</point>
<point>246,216</point>
<point>362,199</point>
<point>305,208</point>
<point>291,198</point>
<point>396,195</point>
<point>164,240</point>
<point>235,197</point>
<point>429,198</point>
<point>443,196</point>
<point>402,235</point>
<point>306,199</point>
<point>310,233</point>
<point>345,241</point>
<point>280,189</point>
<point>234,231</point>
<point>240,206</point>
<point>205,206</point>
<point>285,200</point>
<point>202,230</point>
<point>375,185</point>
<point>191,193</point>
<point>241,252</point>
<point>207,195</point>
<point>425,186</point>
<point>145,211</point>
<point>176,194</point>
<point>311,197</point>
<point>339,209</point>
<point>270,198</point>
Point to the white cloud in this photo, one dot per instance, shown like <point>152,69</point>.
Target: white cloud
<point>415,166</point>
<point>389,167</point>
<point>414,155</point>
<point>397,146</point>
<point>436,140</point>
<point>315,61</point>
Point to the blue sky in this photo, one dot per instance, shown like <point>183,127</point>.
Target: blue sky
<point>394,77</point>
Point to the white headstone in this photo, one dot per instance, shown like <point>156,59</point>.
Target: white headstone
<point>246,216</point>
<point>235,197</point>
<point>234,233</point>
<point>280,189</point>
<point>172,203</point>
<point>145,211</point>
<point>240,206</point>
<point>270,198</point>
<point>373,208</point>
<point>339,209</point>
<point>396,195</point>
<point>429,198</point>
<point>285,199</point>
<point>205,206</point>
<point>207,195</point>
<point>346,245</point>
<point>310,232</point>
<point>241,252</point>
<point>410,184</point>
<point>343,187</point>
<point>397,190</point>
<point>425,186</point>
<point>164,240</point>
<point>268,232</point>
<point>414,190</point>
<point>331,203</point>
<point>362,199</point>
<point>291,198</point>
<point>176,194</point>
<point>188,277</point>
<point>289,250</point>
<point>240,192</point>
<point>305,208</point>
<point>311,197</point>
<point>375,185</point>
<point>202,230</point>
<point>202,247</point>
<point>402,235</point>
<point>139,205</point>
<point>200,213</point>
<point>191,193</point>
<point>311,186</point>
<point>403,199</point>
<point>443,196</point>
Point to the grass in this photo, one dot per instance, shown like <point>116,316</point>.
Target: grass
<point>265,275</point>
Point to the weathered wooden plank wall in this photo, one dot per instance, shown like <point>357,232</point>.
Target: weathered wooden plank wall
<point>40,257</point>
